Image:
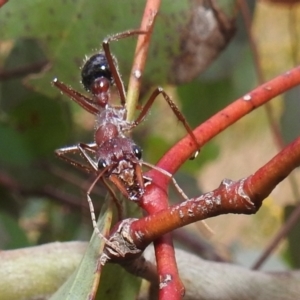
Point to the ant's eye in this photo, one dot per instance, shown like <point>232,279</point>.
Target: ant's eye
<point>101,164</point>
<point>137,151</point>
<point>95,67</point>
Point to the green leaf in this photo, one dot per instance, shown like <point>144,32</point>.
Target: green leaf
<point>80,284</point>
<point>42,124</point>
<point>35,272</point>
<point>13,149</point>
<point>154,147</point>
<point>12,236</point>
<point>293,250</point>
<point>207,153</point>
<point>78,28</point>
<point>201,99</point>
<point>244,76</point>
<point>117,284</point>
<point>289,122</point>
<point>25,53</point>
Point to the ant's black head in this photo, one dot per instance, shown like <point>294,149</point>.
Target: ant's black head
<point>95,67</point>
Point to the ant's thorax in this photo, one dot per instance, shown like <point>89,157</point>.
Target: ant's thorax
<point>113,116</point>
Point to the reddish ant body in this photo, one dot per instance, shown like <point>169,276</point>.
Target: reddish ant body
<point>117,157</point>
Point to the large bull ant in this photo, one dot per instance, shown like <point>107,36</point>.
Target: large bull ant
<point>116,156</point>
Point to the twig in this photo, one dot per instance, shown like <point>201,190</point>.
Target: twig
<point>181,152</point>
<point>273,125</point>
<point>48,191</point>
<point>241,197</point>
<point>282,233</point>
<point>198,245</point>
<point>140,56</point>
<point>2,2</point>
<point>23,70</point>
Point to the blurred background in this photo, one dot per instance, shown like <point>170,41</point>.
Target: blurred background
<point>43,199</point>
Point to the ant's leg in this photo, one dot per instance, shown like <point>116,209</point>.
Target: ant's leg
<point>206,228</point>
<point>93,217</point>
<point>112,61</point>
<point>83,148</point>
<point>116,200</point>
<point>179,115</point>
<point>80,99</point>
<point>177,187</point>
<point>64,152</point>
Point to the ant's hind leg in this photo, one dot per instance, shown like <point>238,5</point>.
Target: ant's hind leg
<point>176,111</point>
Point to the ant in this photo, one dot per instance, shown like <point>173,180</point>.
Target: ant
<point>117,158</point>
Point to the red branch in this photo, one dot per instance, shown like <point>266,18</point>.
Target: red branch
<point>2,2</point>
<point>155,198</point>
<point>171,286</point>
<point>241,197</point>
<point>178,154</point>
<point>140,56</point>
<point>244,196</point>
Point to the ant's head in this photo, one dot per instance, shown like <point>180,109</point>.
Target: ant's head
<point>97,78</point>
<point>115,150</point>
<point>120,158</point>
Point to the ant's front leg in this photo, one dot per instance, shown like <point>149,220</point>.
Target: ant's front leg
<point>93,216</point>
<point>85,102</point>
<point>112,61</point>
<point>84,148</point>
<point>63,153</point>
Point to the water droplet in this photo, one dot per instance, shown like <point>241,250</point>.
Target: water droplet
<point>247,97</point>
<point>137,74</point>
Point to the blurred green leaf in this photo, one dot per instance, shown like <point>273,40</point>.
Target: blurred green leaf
<point>229,59</point>
<point>80,284</point>
<point>36,272</point>
<point>13,148</point>
<point>11,235</point>
<point>25,53</point>
<point>201,99</point>
<point>244,75</point>
<point>117,284</point>
<point>207,153</point>
<point>289,122</point>
<point>154,147</point>
<point>187,183</point>
<point>68,39</point>
<point>293,250</point>
<point>40,121</point>
<point>204,97</point>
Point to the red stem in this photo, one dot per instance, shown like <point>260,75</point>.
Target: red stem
<point>140,56</point>
<point>242,197</point>
<point>165,256</point>
<point>2,2</point>
<point>161,219</point>
<point>178,154</point>
<point>155,198</point>
<point>169,278</point>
